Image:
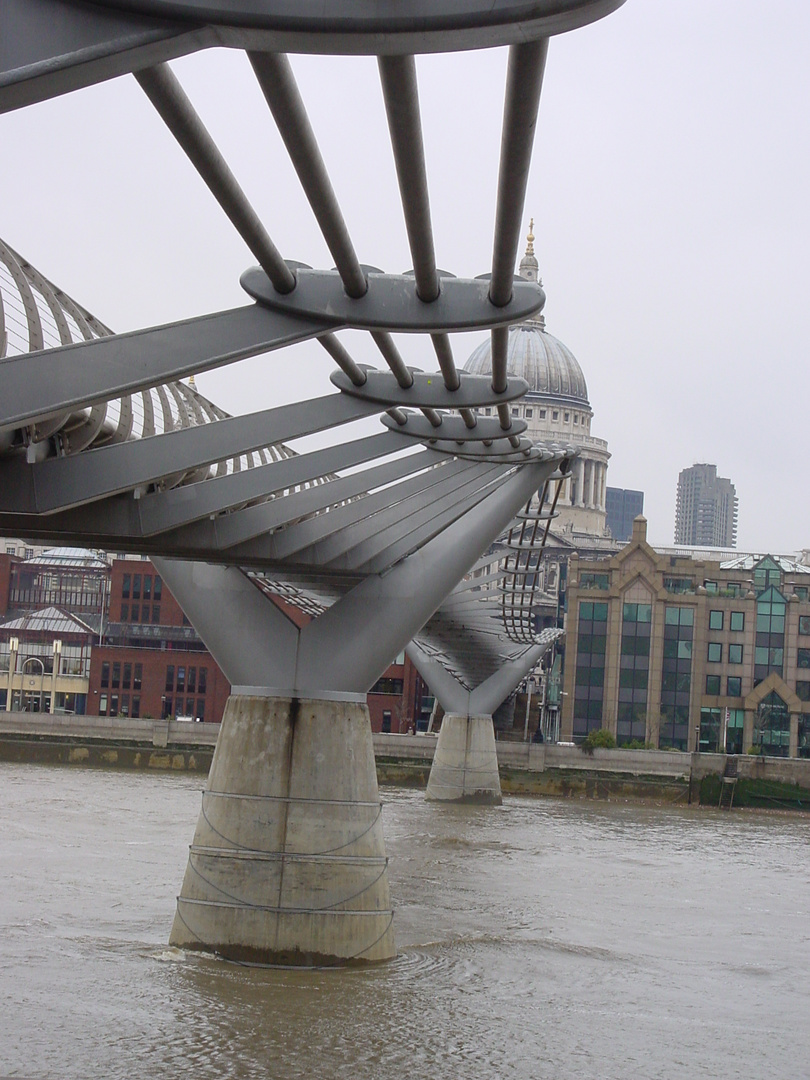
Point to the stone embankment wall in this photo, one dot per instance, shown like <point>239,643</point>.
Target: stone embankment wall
<point>525,768</point>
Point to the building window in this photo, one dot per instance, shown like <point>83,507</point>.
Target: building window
<point>116,675</point>
<point>147,586</point>
<point>200,710</point>
<point>127,680</point>
<point>386,722</point>
<point>144,613</point>
<point>765,574</point>
<point>125,586</point>
<point>155,614</point>
<point>125,704</point>
<point>714,653</point>
<point>713,685</point>
<point>566,417</point>
<point>136,613</point>
<point>735,654</point>
<point>105,673</point>
<point>136,707</point>
<point>679,584</point>
<point>710,728</point>
<point>770,637</point>
<point>676,677</point>
<point>734,686</point>
<point>737,621</point>
<point>137,676</point>
<point>528,413</point>
<point>542,414</point>
<point>136,586</point>
<point>125,613</point>
<point>710,587</point>
<point>167,708</point>
<point>158,588</point>
<point>634,673</point>
<point>588,580</point>
<point>772,726</point>
<point>715,620</point>
<point>803,690</point>
<point>589,680</point>
<point>191,686</point>
<point>487,412</point>
<point>203,681</point>
<point>804,624</point>
<point>734,731</point>
<point>576,418</point>
<point>113,704</point>
<point>555,415</point>
<point>170,677</point>
<point>102,705</point>
<point>387,686</point>
<point>515,411</point>
<point>801,592</point>
<point>181,680</point>
<point>803,658</point>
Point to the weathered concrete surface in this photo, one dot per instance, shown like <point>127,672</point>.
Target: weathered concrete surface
<point>288,861</point>
<point>465,764</point>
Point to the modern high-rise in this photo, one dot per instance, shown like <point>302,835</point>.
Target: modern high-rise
<point>706,508</point>
<point>623,505</point>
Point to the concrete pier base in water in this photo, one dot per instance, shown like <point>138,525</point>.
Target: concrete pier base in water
<point>288,861</point>
<point>465,765</point>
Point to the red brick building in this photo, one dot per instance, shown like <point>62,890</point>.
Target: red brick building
<point>146,660</point>
<point>150,662</point>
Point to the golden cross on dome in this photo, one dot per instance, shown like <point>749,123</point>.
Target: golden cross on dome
<point>530,238</point>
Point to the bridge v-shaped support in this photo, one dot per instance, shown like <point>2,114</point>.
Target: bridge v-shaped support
<point>465,764</point>
<point>288,860</point>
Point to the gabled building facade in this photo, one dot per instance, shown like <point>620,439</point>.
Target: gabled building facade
<point>686,653</point>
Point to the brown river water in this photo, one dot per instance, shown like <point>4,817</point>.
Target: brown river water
<point>544,939</point>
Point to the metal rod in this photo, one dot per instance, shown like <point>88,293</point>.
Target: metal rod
<point>401,96</point>
<point>500,344</point>
<point>524,81</point>
<point>385,343</point>
<point>167,95</point>
<point>444,354</point>
<point>341,357</point>
<point>277,81</point>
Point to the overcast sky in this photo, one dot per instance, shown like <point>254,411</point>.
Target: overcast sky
<point>669,188</point>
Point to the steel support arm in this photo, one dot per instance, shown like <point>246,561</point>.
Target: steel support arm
<point>74,376</point>
<point>345,650</point>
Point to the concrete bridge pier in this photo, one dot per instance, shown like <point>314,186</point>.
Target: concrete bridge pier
<point>288,861</point>
<point>465,765</point>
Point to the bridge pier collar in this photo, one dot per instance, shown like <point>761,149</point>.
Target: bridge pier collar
<point>465,764</point>
<point>288,863</point>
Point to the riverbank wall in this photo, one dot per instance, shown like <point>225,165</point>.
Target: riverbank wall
<point>525,768</point>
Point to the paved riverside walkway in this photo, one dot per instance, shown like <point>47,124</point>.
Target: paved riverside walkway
<point>545,768</point>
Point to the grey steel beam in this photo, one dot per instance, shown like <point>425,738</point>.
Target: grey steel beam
<point>322,539</point>
<point>386,551</point>
<point>347,648</point>
<point>254,520</point>
<point>50,47</point>
<point>168,97</point>
<point>279,87</point>
<point>59,483</point>
<point>181,506</point>
<point>75,376</point>
<point>405,523</point>
<point>391,302</point>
